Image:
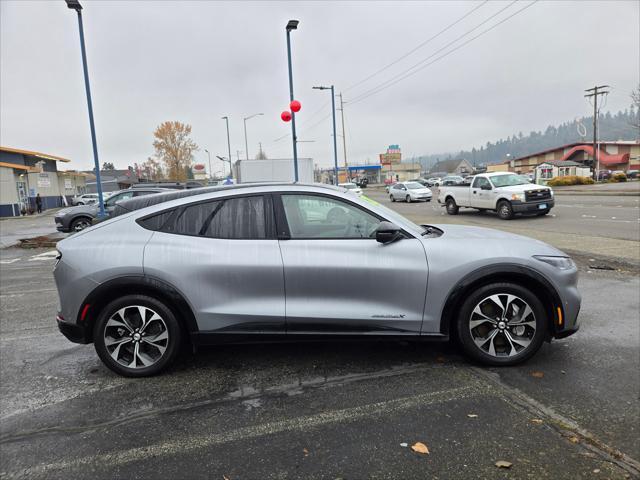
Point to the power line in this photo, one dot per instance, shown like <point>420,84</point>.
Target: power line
<point>407,73</point>
<point>448,27</point>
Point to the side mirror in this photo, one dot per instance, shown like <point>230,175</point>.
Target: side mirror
<point>486,187</point>
<point>387,232</point>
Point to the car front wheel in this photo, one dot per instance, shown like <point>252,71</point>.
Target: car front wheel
<point>501,324</point>
<point>408,199</point>
<point>137,336</point>
<point>393,199</point>
<point>505,210</point>
<point>80,224</point>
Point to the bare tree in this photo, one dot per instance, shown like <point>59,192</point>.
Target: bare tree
<point>174,147</point>
<point>152,169</point>
<point>635,109</point>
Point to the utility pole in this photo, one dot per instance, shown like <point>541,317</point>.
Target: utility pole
<point>594,92</point>
<point>344,136</point>
<point>292,25</point>
<point>335,140</point>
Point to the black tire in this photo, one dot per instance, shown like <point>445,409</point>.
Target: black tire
<point>451,206</point>
<point>505,210</point>
<point>464,335</point>
<point>80,223</point>
<point>408,199</point>
<point>393,199</point>
<point>172,345</point>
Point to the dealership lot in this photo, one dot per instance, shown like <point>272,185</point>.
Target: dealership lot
<point>344,409</point>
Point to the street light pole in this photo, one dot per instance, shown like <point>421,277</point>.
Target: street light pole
<point>75,5</point>
<point>335,140</point>
<point>228,146</point>
<point>246,144</point>
<point>210,172</point>
<point>292,25</point>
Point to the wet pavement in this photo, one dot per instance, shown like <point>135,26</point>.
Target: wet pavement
<point>320,410</point>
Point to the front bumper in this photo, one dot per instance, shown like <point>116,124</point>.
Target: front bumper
<point>60,226</point>
<point>532,207</point>
<point>74,332</point>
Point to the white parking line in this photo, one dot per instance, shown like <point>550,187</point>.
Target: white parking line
<point>50,255</point>
<point>7,262</point>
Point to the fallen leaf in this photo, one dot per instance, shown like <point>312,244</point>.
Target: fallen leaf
<point>537,421</point>
<point>597,470</point>
<point>574,439</point>
<point>224,477</point>
<point>420,448</point>
<point>472,415</point>
<point>306,452</point>
<point>537,374</point>
<point>503,464</point>
<point>404,445</point>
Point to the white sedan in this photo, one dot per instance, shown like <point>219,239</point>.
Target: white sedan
<point>409,192</point>
<point>352,188</point>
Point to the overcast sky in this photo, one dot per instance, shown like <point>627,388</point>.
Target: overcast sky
<point>152,61</point>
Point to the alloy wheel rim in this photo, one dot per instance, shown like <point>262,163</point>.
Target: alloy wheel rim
<point>81,225</point>
<point>502,325</point>
<point>505,210</point>
<point>136,336</point>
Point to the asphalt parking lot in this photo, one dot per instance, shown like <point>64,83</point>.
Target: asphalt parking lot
<point>333,410</point>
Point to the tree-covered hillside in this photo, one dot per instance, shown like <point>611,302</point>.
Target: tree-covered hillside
<point>620,126</point>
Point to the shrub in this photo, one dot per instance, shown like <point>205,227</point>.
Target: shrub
<point>570,180</point>
<point>618,177</point>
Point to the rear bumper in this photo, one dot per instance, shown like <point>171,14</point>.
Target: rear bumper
<point>74,332</point>
<point>531,207</point>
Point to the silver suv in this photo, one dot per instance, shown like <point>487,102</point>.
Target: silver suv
<point>290,261</point>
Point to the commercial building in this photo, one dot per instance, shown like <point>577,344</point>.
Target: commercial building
<point>620,155</point>
<point>24,174</point>
<point>452,167</point>
<point>112,180</point>
<point>559,168</point>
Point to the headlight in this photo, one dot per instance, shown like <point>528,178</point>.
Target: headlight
<point>517,196</point>
<point>551,193</point>
<point>562,263</point>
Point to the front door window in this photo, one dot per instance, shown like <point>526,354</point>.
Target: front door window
<point>314,216</point>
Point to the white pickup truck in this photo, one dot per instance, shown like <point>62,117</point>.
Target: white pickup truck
<point>504,192</point>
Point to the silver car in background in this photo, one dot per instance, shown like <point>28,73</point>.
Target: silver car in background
<point>410,192</point>
<point>298,262</point>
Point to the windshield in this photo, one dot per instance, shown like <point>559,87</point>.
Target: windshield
<point>508,180</point>
<point>413,185</point>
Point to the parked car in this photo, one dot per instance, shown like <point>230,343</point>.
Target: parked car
<point>351,187</point>
<point>434,181</point>
<point>506,193</point>
<point>632,173</point>
<point>421,181</point>
<point>604,175</point>
<point>410,192</point>
<point>452,180</point>
<point>75,219</point>
<point>86,199</point>
<point>291,261</point>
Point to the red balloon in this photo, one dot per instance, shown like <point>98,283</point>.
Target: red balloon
<point>295,106</point>
<point>286,116</point>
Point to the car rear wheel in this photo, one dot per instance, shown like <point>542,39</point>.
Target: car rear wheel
<point>505,210</point>
<point>501,324</point>
<point>137,336</point>
<point>80,224</point>
<point>452,208</point>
